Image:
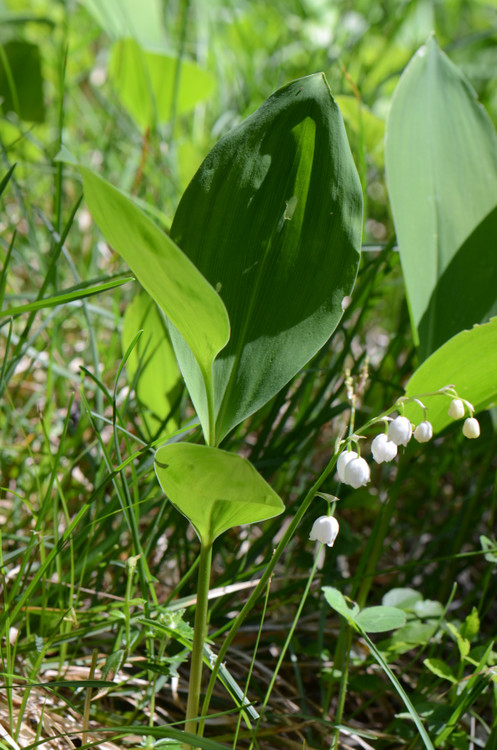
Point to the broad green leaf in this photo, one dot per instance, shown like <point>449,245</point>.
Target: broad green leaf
<point>340,604</point>
<point>469,362</point>
<point>379,619</point>
<point>214,489</point>
<point>441,160</point>
<point>146,82</point>
<point>403,598</point>
<point>21,80</point>
<point>273,220</point>
<point>441,669</point>
<point>189,302</point>
<point>122,19</point>
<point>152,363</point>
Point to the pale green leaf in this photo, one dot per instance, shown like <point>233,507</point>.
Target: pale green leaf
<point>441,160</point>
<point>180,290</point>
<point>469,362</point>
<point>214,489</point>
<point>273,220</point>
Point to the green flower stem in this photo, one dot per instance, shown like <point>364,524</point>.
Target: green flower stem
<point>199,637</point>
<point>259,589</point>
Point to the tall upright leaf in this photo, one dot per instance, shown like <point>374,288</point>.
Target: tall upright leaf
<point>441,159</point>
<point>189,302</point>
<point>273,220</point>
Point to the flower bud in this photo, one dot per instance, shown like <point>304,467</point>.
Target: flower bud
<point>471,428</point>
<point>324,530</point>
<point>456,409</point>
<point>342,462</point>
<point>357,473</point>
<point>383,449</point>
<point>423,432</point>
<point>400,431</point>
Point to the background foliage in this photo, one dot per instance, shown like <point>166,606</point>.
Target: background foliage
<point>98,572</point>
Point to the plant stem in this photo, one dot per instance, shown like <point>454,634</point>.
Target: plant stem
<point>290,531</point>
<point>199,637</point>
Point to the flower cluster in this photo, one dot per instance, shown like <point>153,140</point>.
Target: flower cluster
<point>354,470</point>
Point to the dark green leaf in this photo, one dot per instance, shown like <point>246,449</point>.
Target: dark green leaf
<point>273,221</point>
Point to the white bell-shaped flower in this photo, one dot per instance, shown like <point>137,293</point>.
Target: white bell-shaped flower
<point>324,530</point>
<point>471,428</point>
<point>400,431</point>
<point>343,460</point>
<point>423,432</point>
<point>456,409</point>
<point>357,473</point>
<point>383,449</point>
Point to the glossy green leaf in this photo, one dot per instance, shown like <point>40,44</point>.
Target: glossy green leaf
<point>380,619</point>
<point>273,220</point>
<point>441,160</point>
<point>469,362</point>
<point>189,302</point>
<point>21,80</point>
<point>214,489</point>
<point>145,81</point>
<point>152,364</point>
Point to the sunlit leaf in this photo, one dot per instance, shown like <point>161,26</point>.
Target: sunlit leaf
<point>214,489</point>
<point>180,290</point>
<point>469,362</point>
